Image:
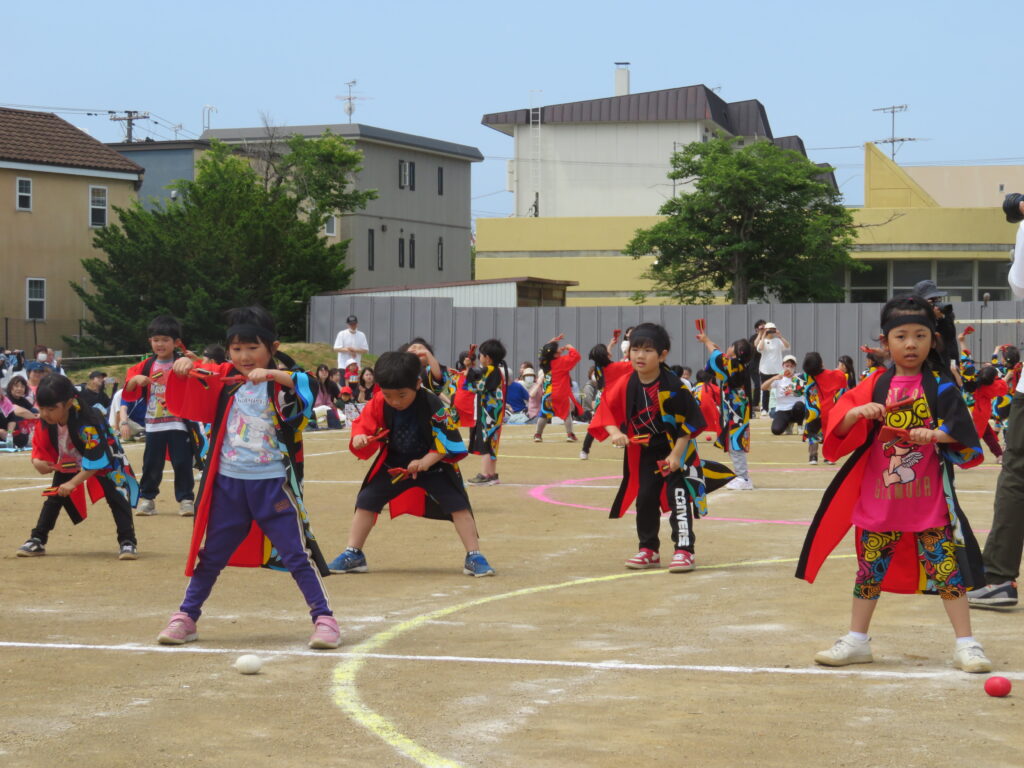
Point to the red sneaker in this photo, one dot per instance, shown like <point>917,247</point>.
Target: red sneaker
<point>645,558</point>
<point>571,438</point>
<point>682,561</point>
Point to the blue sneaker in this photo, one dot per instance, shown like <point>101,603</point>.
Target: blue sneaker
<point>352,560</point>
<point>477,565</point>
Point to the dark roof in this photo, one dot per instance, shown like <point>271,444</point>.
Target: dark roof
<point>428,286</point>
<point>794,143</point>
<point>45,139</point>
<point>692,102</point>
<point>150,145</point>
<point>354,131</point>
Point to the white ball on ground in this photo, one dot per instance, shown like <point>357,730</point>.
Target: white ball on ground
<point>248,664</point>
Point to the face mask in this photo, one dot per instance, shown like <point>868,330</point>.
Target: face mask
<point>529,379</point>
<point>41,357</point>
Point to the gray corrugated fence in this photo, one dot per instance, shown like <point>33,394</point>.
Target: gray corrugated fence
<point>831,329</point>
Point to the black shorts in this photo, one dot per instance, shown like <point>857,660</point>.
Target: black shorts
<point>435,482</point>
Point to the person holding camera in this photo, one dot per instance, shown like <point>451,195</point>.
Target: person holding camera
<point>771,345</point>
<point>945,320</point>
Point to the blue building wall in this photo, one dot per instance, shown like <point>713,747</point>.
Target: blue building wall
<point>163,167</point>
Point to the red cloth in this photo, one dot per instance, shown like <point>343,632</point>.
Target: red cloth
<point>561,386</point>
<point>615,371</point>
<point>464,401</point>
<point>44,450</point>
<point>830,383</point>
<point>983,397</point>
<point>710,406</point>
<point>612,412</point>
<point>189,399</point>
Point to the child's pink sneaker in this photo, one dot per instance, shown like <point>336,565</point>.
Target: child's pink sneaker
<point>645,558</point>
<point>326,635</point>
<point>180,630</point>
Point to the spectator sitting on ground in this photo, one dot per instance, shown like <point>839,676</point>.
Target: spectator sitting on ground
<point>517,397</point>
<point>93,394</point>
<point>367,386</point>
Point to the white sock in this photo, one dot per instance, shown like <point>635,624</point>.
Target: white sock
<point>857,637</point>
<point>969,640</point>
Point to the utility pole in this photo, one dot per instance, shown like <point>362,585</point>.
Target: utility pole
<point>129,118</point>
<point>892,140</point>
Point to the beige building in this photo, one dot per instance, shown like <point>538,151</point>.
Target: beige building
<point>58,185</point>
<point>968,186</point>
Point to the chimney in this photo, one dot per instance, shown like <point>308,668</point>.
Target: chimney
<point>622,78</point>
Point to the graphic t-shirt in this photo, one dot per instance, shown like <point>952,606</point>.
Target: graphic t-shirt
<point>902,485</point>
<point>250,450</point>
<point>158,418</point>
<point>646,417</point>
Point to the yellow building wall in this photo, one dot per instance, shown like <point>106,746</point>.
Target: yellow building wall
<point>49,242</point>
<point>900,221</point>
<point>886,185</point>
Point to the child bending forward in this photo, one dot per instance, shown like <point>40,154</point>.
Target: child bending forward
<point>416,471</point>
<point>252,485</point>
<point>652,414</point>
<point>906,428</point>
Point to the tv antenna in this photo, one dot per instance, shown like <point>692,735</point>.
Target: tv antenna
<point>350,100</point>
<point>893,140</point>
<point>208,109</point>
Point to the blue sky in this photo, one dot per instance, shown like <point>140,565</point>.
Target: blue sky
<point>435,69</point>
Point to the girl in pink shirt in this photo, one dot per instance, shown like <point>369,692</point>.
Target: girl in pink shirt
<point>907,426</point>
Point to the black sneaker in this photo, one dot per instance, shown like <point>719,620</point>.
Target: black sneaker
<point>480,479</point>
<point>34,548</point>
<point>1002,595</point>
<point>128,551</point>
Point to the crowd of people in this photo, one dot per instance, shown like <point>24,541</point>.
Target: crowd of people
<point>921,405</point>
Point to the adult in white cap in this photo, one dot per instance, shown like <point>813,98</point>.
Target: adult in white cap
<point>1005,541</point>
<point>351,343</point>
<point>771,345</point>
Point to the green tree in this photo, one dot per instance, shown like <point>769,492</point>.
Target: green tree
<point>759,224</point>
<point>232,237</point>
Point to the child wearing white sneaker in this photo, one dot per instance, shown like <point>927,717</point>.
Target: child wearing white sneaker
<point>730,371</point>
<point>652,414</point>
<point>907,427</point>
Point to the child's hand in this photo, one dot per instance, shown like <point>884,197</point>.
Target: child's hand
<point>182,366</point>
<point>672,462</point>
<point>620,440</point>
<point>923,436</point>
<point>360,441</point>
<point>140,380</point>
<point>259,375</point>
<point>44,467</point>
<point>65,489</point>
<point>416,466</point>
<point>870,411</point>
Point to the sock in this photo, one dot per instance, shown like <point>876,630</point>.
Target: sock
<point>473,552</point>
<point>962,641</point>
<point>859,637</point>
<point>357,550</point>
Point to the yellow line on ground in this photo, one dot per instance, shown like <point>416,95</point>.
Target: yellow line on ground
<point>346,694</point>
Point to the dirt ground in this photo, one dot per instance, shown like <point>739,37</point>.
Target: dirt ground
<point>564,658</point>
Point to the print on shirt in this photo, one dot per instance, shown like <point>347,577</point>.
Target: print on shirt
<point>902,454</point>
<point>250,438</point>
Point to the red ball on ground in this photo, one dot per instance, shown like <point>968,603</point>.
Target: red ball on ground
<point>997,686</point>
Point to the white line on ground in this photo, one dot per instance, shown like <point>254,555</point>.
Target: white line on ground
<point>607,665</point>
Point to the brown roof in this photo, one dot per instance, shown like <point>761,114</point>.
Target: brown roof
<point>44,138</point>
<point>692,102</point>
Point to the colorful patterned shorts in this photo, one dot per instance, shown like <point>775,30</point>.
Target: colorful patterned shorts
<point>935,549</point>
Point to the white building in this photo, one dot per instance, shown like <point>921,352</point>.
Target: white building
<point>611,156</point>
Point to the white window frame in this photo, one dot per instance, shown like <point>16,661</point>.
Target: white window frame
<point>403,174</point>
<point>331,226</point>
<point>106,206</point>
<point>18,194</point>
<point>29,299</point>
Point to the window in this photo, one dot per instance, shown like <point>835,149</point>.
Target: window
<point>24,195</point>
<point>412,251</point>
<point>97,206</point>
<point>401,252</point>
<point>403,174</point>
<point>870,284</point>
<point>331,226</point>
<point>440,253</point>
<point>992,279</point>
<point>440,180</point>
<point>906,274</point>
<point>412,176</point>
<point>369,250</point>
<point>35,298</point>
